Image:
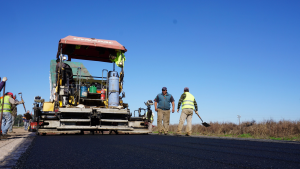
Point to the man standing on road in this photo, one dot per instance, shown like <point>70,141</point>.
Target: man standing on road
<point>13,116</point>
<point>163,110</point>
<point>7,119</point>
<point>188,103</point>
<point>26,120</point>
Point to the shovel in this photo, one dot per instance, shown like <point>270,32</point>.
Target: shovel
<point>22,100</point>
<point>203,123</point>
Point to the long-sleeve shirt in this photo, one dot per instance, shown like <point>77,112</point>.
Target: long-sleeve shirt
<point>14,110</point>
<point>13,101</point>
<point>14,104</point>
<point>1,85</point>
<point>182,97</point>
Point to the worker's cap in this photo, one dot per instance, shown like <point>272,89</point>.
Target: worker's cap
<point>164,88</point>
<point>186,89</point>
<point>9,93</point>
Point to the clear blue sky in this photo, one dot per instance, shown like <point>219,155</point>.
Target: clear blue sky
<point>237,57</point>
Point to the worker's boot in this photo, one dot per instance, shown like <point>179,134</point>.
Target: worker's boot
<point>3,137</point>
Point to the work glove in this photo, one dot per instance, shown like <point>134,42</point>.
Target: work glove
<point>196,112</point>
<point>22,102</point>
<point>4,79</point>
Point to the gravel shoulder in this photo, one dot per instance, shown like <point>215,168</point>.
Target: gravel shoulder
<point>13,147</point>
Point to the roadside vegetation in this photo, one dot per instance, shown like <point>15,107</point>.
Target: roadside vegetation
<point>268,129</point>
<point>19,120</point>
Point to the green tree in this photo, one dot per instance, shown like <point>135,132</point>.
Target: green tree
<point>19,119</point>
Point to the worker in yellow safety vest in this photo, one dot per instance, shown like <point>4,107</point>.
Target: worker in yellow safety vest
<point>150,122</point>
<point>189,104</point>
<point>7,118</point>
<point>119,59</point>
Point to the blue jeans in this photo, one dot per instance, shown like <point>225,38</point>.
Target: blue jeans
<point>12,123</point>
<point>26,124</point>
<point>6,122</point>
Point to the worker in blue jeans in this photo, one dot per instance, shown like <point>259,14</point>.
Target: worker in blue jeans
<point>7,117</point>
<point>13,116</point>
<point>26,120</point>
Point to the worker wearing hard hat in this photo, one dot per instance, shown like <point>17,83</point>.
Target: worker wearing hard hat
<point>2,83</point>
<point>6,118</point>
<point>189,104</point>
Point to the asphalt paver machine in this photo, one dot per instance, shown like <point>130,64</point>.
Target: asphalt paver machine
<point>82,102</point>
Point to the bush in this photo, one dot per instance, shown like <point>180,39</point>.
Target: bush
<point>268,129</point>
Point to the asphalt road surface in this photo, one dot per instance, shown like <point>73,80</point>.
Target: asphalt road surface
<point>154,151</point>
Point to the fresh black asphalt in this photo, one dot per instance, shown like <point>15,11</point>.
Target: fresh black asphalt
<point>154,151</point>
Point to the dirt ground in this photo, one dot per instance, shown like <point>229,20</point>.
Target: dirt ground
<point>14,141</point>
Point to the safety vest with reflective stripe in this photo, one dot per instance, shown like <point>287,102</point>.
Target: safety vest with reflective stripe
<point>6,105</point>
<point>151,116</point>
<point>120,59</point>
<point>188,102</point>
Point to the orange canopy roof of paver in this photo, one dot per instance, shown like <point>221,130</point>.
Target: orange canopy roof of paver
<point>88,48</point>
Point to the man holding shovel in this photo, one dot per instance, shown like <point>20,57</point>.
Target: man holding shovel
<point>189,104</point>
<point>7,119</point>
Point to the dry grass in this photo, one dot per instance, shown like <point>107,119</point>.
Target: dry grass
<point>268,129</point>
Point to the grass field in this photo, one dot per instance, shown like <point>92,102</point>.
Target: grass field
<point>268,129</point>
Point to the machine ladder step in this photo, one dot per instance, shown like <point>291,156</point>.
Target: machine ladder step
<point>77,127</point>
<point>75,120</point>
<point>113,120</point>
<point>114,128</point>
<point>58,132</point>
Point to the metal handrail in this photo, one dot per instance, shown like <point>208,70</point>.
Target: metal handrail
<point>2,105</point>
<point>79,69</point>
<point>106,82</point>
